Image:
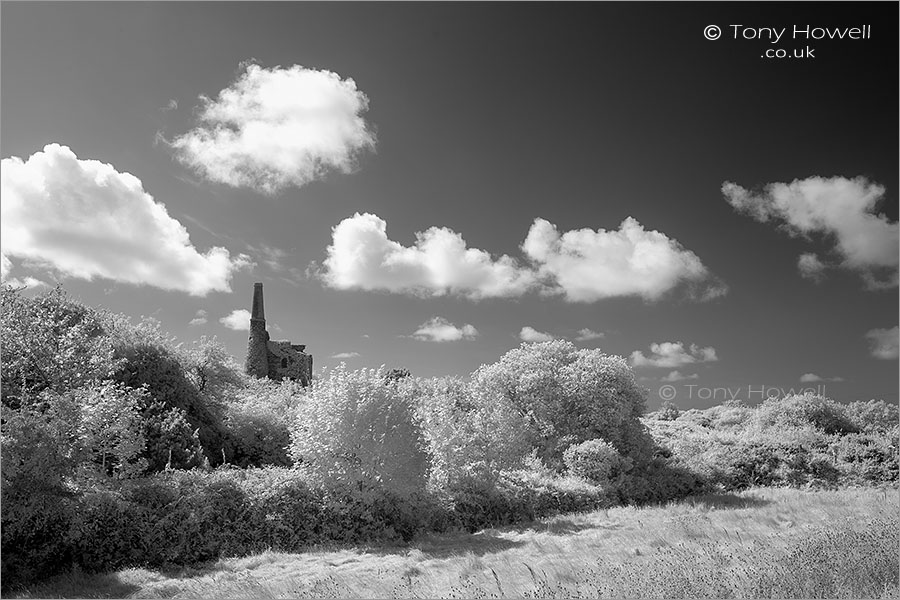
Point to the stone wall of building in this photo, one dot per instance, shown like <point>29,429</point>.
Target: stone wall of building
<point>289,361</point>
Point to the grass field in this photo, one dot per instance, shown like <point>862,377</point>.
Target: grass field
<point>759,543</point>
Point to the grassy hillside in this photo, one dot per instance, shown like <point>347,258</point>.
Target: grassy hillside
<point>763,542</point>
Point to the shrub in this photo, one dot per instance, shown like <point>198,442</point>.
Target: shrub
<point>596,460</point>
<point>467,436</point>
<point>105,532</point>
<point>172,401</point>
<point>874,415</point>
<point>357,429</point>
<point>259,420</point>
<point>668,411</point>
<point>867,458</point>
<point>802,410</point>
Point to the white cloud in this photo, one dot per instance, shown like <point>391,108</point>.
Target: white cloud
<point>587,265</point>
<point>239,320</point>
<point>199,318</point>
<point>839,208</point>
<point>583,265</point>
<point>530,334</point>
<point>677,376</point>
<point>813,378</point>
<point>86,220</point>
<point>438,329</point>
<point>884,343</point>
<point>279,127</point>
<point>345,355</point>
<point>586,334</point>
<point>362,257</point>
<point>673,354</point>
<point>811,267</point>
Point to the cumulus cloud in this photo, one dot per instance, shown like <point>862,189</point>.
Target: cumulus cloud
<point>199,318</point>
<point>85,219</point>
<point>530,334</point>
<point>840,209</point>
<point>279,127</point>
<point>361,256</point>
<point>586,265</point>
<point>673,354</point>
<point>677,376</point>
<point>239,320</point>
<point>345,355</point>
<point>811,267</point>
<point>439,329</point>
<point>883,343</point>
<point>813,378</point>
<point>583,265</point>
<point>586,334</point>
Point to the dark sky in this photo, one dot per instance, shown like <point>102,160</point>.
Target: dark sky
<point>487,117</point>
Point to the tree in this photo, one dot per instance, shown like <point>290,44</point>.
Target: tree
<point>568,396</point>
<point>213,372</point>
<point>50,343</point>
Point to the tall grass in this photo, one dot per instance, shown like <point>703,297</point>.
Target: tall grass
<point>761,543</point>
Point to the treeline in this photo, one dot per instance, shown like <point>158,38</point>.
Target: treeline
<point>122,447</point>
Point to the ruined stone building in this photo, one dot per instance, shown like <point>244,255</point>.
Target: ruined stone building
<point>273,359</point>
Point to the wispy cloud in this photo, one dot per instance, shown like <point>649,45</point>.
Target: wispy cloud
<point>345,355</point>
<point>586,334</point>
<point>883,343</point>
<point>276,128</point>
<point>673,376</point>
<point>811,267</point>
<point>84,219</point>
<point>199,319</point>
<point>813,378</point>
<point>839,209</point>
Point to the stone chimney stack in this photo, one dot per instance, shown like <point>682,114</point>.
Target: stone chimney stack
<point>257,348</point>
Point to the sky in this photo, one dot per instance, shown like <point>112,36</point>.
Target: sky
<point>428,185</point>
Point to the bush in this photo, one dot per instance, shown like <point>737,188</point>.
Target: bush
<point>867,458</point>
<point>259,420</point>
<point>803,410</point>
<point>668,411</point>
<point>105,532</point>
<point>172,402</point>
<point>357,429</point>
<point>874,416</point>
<point>467,436</point>
<point>596,460</point>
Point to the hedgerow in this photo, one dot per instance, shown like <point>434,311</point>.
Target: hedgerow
<point>122,447</point>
